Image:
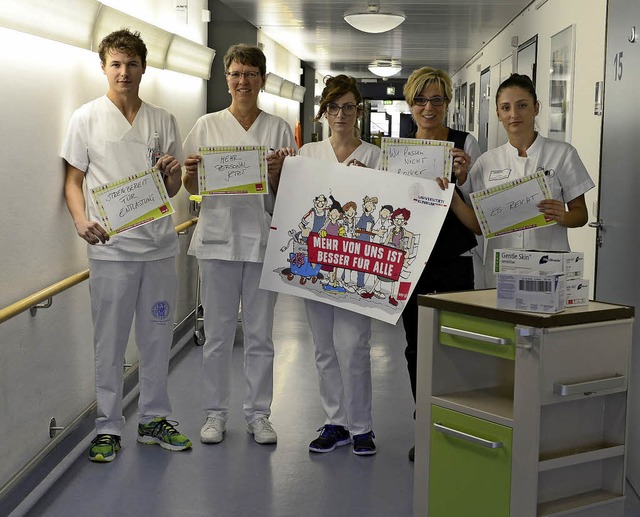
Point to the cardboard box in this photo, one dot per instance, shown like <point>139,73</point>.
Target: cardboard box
<point>531,291</point>
<point>577,292</point>
<point>571,263</point>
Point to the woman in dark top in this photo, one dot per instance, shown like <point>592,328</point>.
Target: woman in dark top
<point>450,266</point>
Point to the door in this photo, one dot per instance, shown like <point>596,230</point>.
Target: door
<point>618,248</point>
<point>483,112</point>
<point>527,58</point>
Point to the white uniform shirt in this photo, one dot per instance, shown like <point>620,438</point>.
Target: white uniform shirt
<point>366,153</point>
<point>566,175</point>
<point>101,142</point>
<point>235,227</point>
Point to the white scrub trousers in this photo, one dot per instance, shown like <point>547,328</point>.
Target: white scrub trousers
<point>118,290</point>
<point>343,360</point>
<point>224,284</point>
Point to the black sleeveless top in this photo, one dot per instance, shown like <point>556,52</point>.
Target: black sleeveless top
<point>454,238</point>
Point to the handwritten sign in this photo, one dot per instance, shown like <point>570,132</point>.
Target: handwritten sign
<point>131,202</point>
<point>233,170</point>
<point>512,207</point>
<point>428,159</point>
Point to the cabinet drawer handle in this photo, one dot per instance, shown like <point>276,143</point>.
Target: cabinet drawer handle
<point>467,437</point>
<point>589,387</point>
<point>474,335</point>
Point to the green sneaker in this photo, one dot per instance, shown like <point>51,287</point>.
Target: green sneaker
<point>162,432</point>
<point>104,447</point>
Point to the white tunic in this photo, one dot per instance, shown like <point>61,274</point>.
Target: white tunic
<point>366,153</point>
<point>235,227</point>
<point>101,142</point>
<point>566,175</point>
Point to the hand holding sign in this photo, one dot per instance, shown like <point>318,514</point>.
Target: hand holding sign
<point>512,207</point>
<point>233,170</point>
<point>133,201</point>
<point>427,159</point>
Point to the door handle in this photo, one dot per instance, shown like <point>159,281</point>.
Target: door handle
<point>494,340</point>
<point>467,437</point>
<point>598,225</point>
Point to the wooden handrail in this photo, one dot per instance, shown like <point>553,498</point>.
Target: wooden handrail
<point>30,301</point>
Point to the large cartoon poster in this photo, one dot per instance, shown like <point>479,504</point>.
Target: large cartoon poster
<point>352,237</point>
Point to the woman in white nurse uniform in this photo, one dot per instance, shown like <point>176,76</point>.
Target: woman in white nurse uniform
<point>525,153</point>
<point>230,243</point>
<point>341,337</point>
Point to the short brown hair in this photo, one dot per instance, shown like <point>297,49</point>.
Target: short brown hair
<point>123,41</point>
<point>336,87</point>
<point>244,54</point>
<point>423,77</point>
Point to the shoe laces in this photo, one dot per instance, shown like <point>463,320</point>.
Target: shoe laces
<point>329,430</point>
<point>105,439</point>
<point>161,427</point>
<point>214,423</point>
<point>262,424</point>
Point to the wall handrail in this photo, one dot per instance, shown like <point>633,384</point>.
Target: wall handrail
<point>48,292</point>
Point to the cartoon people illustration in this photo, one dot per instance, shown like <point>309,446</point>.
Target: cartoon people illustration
<point>400,238</point>
<point>381,226</point>
<point>349,222</point>
<point>364,231</point>
<point>333,226</point>
<point>397,236</point>
<point>317,215</point>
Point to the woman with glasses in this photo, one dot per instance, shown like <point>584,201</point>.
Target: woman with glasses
<point>230,242</point>
<point>525,153</point>
<point>341,337</point>
<point>450,265</point>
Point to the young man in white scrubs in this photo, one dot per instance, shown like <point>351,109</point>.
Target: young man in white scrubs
<point>108,139</point>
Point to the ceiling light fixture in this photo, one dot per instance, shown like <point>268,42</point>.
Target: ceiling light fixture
<point>385,67</point>
<point>83,23</point>
<point>373,21</point>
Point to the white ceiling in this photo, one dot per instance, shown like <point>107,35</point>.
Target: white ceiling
<point>436,33</point>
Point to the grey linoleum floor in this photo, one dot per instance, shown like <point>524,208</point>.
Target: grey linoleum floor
<point>238,477</point>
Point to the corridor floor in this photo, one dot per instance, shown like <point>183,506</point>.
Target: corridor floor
<point>238,477</point>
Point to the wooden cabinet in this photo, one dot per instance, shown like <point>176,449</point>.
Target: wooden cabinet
<point>520,414</point>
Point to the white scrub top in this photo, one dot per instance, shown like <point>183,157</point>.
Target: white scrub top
<point>366,153</point>
<point>565,173</point>
<point>101,142</point>
<point>235,227</point>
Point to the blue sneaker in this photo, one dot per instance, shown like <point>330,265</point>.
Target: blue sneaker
<point>363,444</point>
<point>104,447</point>
<point>331,436</point>
<point>162,432</point>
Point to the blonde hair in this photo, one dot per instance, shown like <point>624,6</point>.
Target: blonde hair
<point>426,76</point>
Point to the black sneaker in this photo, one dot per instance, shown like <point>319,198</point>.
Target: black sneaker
<point>363,444</point>
<point>331,436</point>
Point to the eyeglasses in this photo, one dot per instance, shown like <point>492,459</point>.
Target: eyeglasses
<point>435,101</point>
<point>246,75</point>
<point>347,109</point>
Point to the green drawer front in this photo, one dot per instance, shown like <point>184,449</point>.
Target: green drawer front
<point>482,326</point>
<point>467,479</point>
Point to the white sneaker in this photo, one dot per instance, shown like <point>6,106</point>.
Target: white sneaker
<point>213,430</point>
<point>262,431</point>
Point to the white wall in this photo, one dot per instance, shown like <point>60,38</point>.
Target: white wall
<point>283,63</point>
<point>46,361</point>
<point>589,17</point>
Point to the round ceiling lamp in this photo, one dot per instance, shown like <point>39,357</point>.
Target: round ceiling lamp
<point>385,68</point>
<point>373,21</point>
